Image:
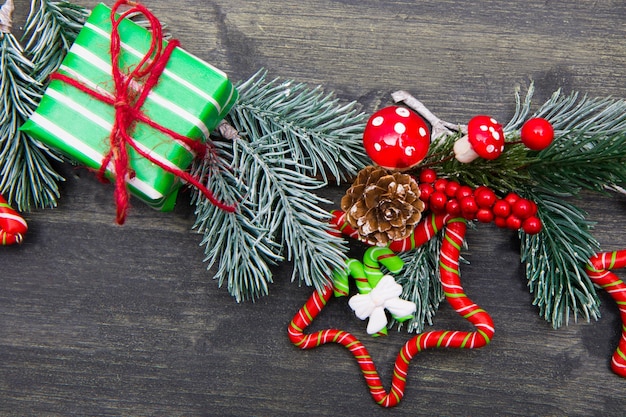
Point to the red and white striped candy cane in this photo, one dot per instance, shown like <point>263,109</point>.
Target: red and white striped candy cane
<point>598,270</point>
<point>449,269</point>
<point>12,225</point>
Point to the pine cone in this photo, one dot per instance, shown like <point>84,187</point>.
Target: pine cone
<point>382,206</point>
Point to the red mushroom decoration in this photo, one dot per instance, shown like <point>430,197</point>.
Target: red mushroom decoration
<point>485,138</point>
<point>396,138</point>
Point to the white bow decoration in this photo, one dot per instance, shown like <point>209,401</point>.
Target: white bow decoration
<point>385,295</point>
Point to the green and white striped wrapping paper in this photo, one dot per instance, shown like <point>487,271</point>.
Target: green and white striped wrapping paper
<point>190,98</point>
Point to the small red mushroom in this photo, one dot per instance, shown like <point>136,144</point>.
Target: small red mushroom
<point>485,138</point>
<point>396,138</point>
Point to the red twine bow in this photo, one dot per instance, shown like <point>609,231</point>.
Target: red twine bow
<point>128,100</point>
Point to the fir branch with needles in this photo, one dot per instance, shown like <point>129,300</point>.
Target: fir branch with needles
<point>421,284</point>
<point>287,207</point>
<point>291,140</point>
<point>26,175</point>
<point>50,30</point>
<point>579,160</point>
<point>322,134</point>
<point>242,250</point>
<point>555,261</point>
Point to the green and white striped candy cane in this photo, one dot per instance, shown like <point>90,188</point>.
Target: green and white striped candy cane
<point>367,275</point>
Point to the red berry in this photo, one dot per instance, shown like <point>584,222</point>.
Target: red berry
<point>500,222</point>
<point>484,215</point>
<point>513,222</point>
<point>425,191</point>
<point>485,197</point>
<point>480,189</point>
<point>453,207</point>
<point>441,184</point>
<point>464,191</point>
<point>428,175</point>
<point>537,134</point>
<point>511,198</point>
<point>438,201</point>
<point>532,225</point>
<point>469,206</point>
<point>523,208</point>
<point>501,208</point>
<point>452,188</point>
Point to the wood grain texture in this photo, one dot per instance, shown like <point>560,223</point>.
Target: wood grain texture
<point>102,320</point>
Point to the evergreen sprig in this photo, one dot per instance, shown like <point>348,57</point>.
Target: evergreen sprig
<point>26,176</point>
<point>322,134</point>
<point>290,138</point>
<point>421,283</point>
<point>555,261</point>
<point>580,160</point>
<point>50,30</point>
<point>242,250</point>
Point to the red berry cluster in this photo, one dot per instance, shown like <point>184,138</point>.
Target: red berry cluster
<point>444,196</point>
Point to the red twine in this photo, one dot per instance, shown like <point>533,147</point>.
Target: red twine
<point>128,102</point>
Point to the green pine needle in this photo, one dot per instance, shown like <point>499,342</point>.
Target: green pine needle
<point>555,261</point>
<point>323,135</point>
<point>579,160</point>
<point>50,30</point>
<point>421,283</point>
<point>594,116</point>
<point>291,140</point>
<point>26,176</point>
<point>286,206</point>
<point>241,248</point>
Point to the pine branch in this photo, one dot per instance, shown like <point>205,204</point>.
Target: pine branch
<point>579,160</point>
<point>322,134</point>
<point>235,242</point>
<point>286,206</point>
<point>594,116</point>
<point>51,28</point>
<point>555,261</point>
<point>421,283</point>
<point>26,176</point>
<point>288,135</point>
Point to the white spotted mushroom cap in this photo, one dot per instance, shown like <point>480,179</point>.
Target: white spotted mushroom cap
<point>396,138</point>
<point>486,136</point>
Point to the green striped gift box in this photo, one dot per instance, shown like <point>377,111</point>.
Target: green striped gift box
<point>190,98</point>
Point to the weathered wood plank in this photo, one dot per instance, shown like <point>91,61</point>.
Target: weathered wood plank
<point>97,319</point>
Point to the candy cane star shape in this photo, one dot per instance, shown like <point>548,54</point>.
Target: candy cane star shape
<point>598,270</point>
<point>454,233</point>
<point>12,225</point>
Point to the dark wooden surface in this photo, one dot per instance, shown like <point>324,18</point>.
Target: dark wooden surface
<point>97,319</point>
